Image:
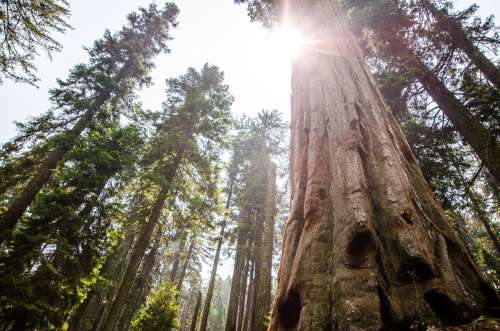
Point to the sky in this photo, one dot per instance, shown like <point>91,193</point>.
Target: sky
<point>214,31</point>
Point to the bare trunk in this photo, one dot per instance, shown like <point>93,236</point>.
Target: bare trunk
<point>139,291</point>
<point>180,281</point>
<point>366,245</point>
<point>243,290</point>
<point>263,295</point>
<point>22,201</point>
<point>258,233</point>
<point>475,204</point>
<point>235,281</point>
<point>213,274</point>
<point>249,305</point>
<point>135,260</point>
<point>196,312</point>
<point>462,41</point>
<point>483,142</point>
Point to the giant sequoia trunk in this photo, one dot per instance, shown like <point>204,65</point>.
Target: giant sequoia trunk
<point>462,41</point>
<point>366,246</point>
<point>264,286</point>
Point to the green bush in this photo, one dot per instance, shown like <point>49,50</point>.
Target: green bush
<point>159,312</point>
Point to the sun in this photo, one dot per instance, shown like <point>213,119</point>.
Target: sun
<point>287,40</point>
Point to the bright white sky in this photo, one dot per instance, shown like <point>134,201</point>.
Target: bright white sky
<point>214,31</point>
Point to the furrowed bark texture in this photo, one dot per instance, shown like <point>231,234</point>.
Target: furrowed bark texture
<point>264,287</point>
<point>366,246</point>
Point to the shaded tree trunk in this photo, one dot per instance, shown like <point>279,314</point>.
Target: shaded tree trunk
<point>483,142</point>
<point>140,289</point>
<point>257,258</point>
<point>264,287</point>
<point>250,300</point>
<point>366,246</point>
<point>177,259</point>
<point>243,291</point>
<point>196,312</point>
<point>462,41</point>
<point>476,205</point>
<point>180,280</point>
<point>135,259</point>
<point>238,264</point>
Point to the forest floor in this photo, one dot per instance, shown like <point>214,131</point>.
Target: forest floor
<point>481,324</point>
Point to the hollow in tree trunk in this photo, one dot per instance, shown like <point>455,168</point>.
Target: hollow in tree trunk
<point>366,246</point>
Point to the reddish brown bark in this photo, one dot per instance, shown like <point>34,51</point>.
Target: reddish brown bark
<point>366,245</point>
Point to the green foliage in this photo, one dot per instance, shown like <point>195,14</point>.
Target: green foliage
<point>26,27</point>
<point>159,312</point>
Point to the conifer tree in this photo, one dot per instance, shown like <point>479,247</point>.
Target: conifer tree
<point>26,28</point>
<point>119,63</point>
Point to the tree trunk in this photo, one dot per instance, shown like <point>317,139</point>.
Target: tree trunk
<point>196,312</point>
<point>75,320</point>
<point>263,293</point>
<point>243,292</point>
<point>483,142</point>
<point>238,260</point>
<point>139,291</point>
<point>213,274</point>
<point>249,304</point>
<point>135,259</point>
<point>366,246</point>
<point>180,281</point>
<point>22,201</point>
<point>215,265</point>
<point>257,258</point>
<point>475,204</point>
<point>462,41</point>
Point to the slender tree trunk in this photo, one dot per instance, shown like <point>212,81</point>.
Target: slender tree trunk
<point>213,274</point>
<point>366,246</point>
<point>196,312</point>
<point>238,264</point>
<point>249,305</point>
<point>475,204</point>
<point>462,41</point>
<point>243,291</point>
<point>180,280</point>
<point>483,142</point>
<point>215,265</point>
<point>22,201</point>
<point>135,259</point>
<point>257,258</point>
<point>74,322</point>
<point>99,317</point>
<point>139,291</point>
<point>263,295</point>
